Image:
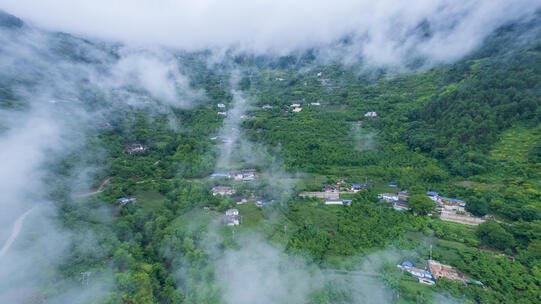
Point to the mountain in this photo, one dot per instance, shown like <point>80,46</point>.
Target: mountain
<point>115,159</point>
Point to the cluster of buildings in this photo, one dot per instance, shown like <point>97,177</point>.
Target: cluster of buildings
<point>341,184</point>
<point>424,276</point>
<point>244,175</point>
<point>137,148</point>
<point>449,209</point>
<point>400,200</point>
<point>434,270</point>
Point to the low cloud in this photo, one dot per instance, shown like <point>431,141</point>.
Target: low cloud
<point>380,33</point>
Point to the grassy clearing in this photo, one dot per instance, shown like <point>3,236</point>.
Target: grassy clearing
<point>149,199</point>
<point>251,214</point>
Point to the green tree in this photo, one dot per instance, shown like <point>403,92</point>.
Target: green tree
<point>493,235</point>
<point>420,204</point>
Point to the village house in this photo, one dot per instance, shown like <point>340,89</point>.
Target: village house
<point>433,195</point>
<point>221,105</point>
<point>222,190</point>
<point>319,74</point>
<point>295,105</point>
<point>231,217</point>
<point>124,200</point>
<point>248,175</point>
<point>401,205</point>
<point>240,199</point>
<point>297,110</point>
<point>137,148</point>
<point>315,103</point>
<point>451,201</point>
<point>370,114</point>
<point>333,202</point>
<point>266,107</point>
<point>404,195</point>
<point>357,187</point>
<point>261,203</point>
<point>389,197</point>
<point>423,276</point>
<point>220,175</point>
<point>329,188</point>
<point>222,113</point>
<point>236,175</point>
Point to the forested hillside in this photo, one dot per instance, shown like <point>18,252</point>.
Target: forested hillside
<point>129,191</point>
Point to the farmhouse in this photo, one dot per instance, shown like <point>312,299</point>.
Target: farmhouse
<point>357,187</point>
<point>231,217</point>
<point>329,188</point>
<point>423,276</point>
<point>137,148</point>
<point>403,195</point>
<point>222,190</point>
<point>240,199</point>
<point>370,114</point>
<point>124,200</point>
<point>333,202</point>
<point>220,175</point>
<point>236,175</point>
<point>389,197</point>
<point>261,203</point>
<point>451,201</point>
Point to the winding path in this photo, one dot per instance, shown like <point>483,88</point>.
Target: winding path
<point>15,232</point>
<point>100,188</point>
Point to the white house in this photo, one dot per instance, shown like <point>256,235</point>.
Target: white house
<point>389,197</point>
<point>222,190</point>
<point>370,114</point>
<point>231,217</point>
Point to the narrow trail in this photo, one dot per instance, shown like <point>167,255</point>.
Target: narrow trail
<point>100,188</point>
<point>15,232</point>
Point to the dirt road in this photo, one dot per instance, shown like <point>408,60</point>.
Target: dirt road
<point>15,232</point>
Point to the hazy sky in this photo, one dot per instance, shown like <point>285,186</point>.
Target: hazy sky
<point>381,31</point>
